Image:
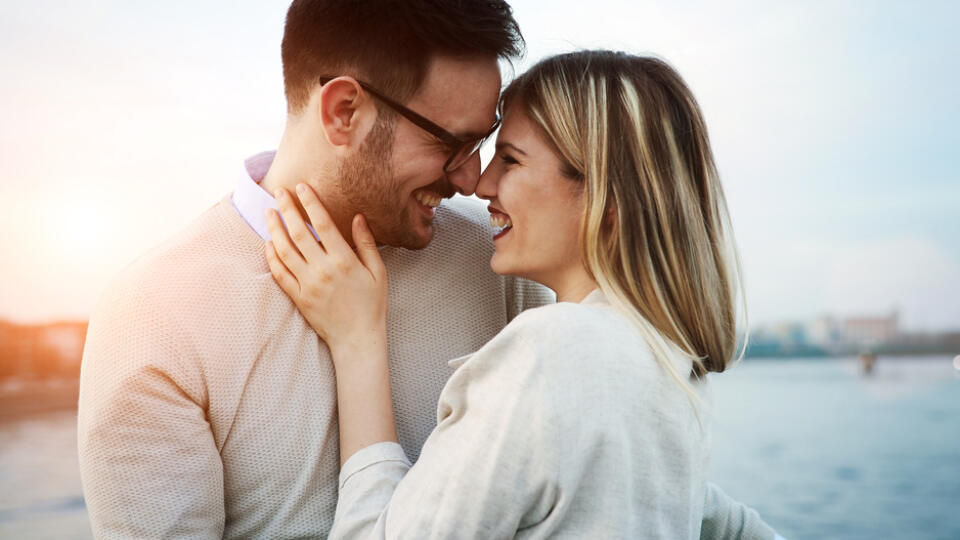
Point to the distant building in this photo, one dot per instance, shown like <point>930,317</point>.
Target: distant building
<point>824,331</point>
<point>790,334</point>
<point>871,331</point>
<point>837,336</point>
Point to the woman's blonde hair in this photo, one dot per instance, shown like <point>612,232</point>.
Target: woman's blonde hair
<point>656,235</point>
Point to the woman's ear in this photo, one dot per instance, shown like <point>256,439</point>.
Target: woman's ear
<point>346,112</point>
<point>610,217</point>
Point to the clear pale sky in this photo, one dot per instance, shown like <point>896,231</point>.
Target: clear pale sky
<point>835,125</point>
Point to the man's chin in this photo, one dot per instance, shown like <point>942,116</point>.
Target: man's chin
<point>419,241</point>
<point>408,237</point>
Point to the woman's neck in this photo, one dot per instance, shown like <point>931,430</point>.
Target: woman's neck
<point>573,285</point>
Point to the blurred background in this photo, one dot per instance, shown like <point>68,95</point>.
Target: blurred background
<point>834,125</point>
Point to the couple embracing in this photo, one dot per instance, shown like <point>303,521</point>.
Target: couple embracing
<point>340,348</point>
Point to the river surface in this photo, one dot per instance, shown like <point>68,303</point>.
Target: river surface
<point>821,450</point>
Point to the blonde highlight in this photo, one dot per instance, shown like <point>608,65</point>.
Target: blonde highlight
<point>656,233</point>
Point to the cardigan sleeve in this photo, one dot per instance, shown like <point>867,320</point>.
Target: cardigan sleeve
<point>727,519</point>
<point>488,469</point>
<point>148,460</point>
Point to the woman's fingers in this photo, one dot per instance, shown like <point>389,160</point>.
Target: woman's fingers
<point>367,248</point>
<point>281,274</point>
<point>285,250</point>
<point>299,233</point>
<point>322,223</point>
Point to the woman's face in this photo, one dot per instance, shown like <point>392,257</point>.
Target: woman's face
<point>534,207</point>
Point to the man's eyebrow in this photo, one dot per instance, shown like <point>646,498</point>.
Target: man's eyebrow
<point>503,144</point>
<point>469,136</point>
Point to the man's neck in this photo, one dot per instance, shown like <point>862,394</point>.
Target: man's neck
<point>289,166</point>
<point>289,169</point>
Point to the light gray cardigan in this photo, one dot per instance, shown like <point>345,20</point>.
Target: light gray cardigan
<point>563,425</point>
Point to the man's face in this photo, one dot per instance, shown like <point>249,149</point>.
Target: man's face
<point>396,177</point>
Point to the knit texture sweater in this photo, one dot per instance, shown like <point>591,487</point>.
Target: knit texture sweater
<point>208,404</point>
<point>562,426</point>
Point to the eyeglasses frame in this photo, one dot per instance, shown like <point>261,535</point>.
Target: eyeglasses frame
<point>456,144</point>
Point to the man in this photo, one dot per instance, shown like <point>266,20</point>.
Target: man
<point>207,404</point>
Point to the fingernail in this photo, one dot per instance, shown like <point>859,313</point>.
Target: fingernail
<point>302,189</point>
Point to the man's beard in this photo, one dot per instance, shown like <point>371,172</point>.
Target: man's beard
<point>369,186</point>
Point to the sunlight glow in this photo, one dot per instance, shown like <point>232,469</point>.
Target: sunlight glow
<point>75,231</point>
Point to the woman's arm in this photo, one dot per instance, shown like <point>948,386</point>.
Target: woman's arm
<point>724,518</point>
<point>343,295</point>
<point>490,468</point>
<point>363,397</point>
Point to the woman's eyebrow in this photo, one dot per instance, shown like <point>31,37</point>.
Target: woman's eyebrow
<point>504,144</point>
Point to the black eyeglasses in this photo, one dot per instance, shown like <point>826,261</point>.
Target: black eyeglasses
<point>461,150</point>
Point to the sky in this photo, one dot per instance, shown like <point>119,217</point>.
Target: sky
<point>834,125</point>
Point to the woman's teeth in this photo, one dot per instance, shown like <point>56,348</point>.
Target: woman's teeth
<point>500,220</point>
<point>428,198</point>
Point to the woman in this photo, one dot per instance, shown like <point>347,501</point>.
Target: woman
<point>588,418</point>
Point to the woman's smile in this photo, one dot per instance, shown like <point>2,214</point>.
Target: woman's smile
<point>500,220</point>
<point>533,205</point>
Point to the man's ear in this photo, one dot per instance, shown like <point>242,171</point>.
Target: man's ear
<point>346,112</point>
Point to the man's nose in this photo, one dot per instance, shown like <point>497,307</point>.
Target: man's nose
<point>465,177</point>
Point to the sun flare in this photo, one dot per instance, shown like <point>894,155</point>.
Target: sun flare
<point>76,230</point>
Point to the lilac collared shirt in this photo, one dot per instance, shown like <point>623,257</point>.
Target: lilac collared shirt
<point>251,200</point>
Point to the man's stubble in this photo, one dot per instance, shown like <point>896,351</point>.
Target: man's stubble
<point>370,186</point>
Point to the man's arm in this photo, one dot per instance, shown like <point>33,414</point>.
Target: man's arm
<point>727,519</point>
<point>148,461</point>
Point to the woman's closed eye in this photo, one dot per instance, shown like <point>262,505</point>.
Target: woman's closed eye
<point>508,159</point>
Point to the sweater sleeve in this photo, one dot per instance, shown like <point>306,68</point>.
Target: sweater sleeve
<point>487,470</point>
<point>148,460</point>
<point>727,519</point>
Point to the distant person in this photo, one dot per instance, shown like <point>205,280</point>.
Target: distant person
<point>207,403</point>
<point>867,360</point>
<point>588,418</point>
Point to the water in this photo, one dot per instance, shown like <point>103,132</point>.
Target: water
<point>825,452</point>
<point>820,450</point>
<point>40,495</point>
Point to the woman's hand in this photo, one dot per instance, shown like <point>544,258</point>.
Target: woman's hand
<point>342,296</point>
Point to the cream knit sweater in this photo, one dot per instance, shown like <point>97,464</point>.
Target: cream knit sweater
<point>207,404</point>
<point>562,426</point>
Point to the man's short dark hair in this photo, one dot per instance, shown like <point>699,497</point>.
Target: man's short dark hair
<point>388,43</point>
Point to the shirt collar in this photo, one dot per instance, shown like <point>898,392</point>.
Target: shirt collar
<point>595,297</point>
<point>251,200</point>
<point>459,361</point>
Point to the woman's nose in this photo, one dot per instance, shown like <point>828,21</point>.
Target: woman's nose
<point>487,186</point>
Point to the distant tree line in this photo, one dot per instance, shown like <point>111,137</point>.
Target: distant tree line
<point>41,351</point>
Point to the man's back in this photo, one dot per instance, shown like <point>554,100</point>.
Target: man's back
<point>208,404</point>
